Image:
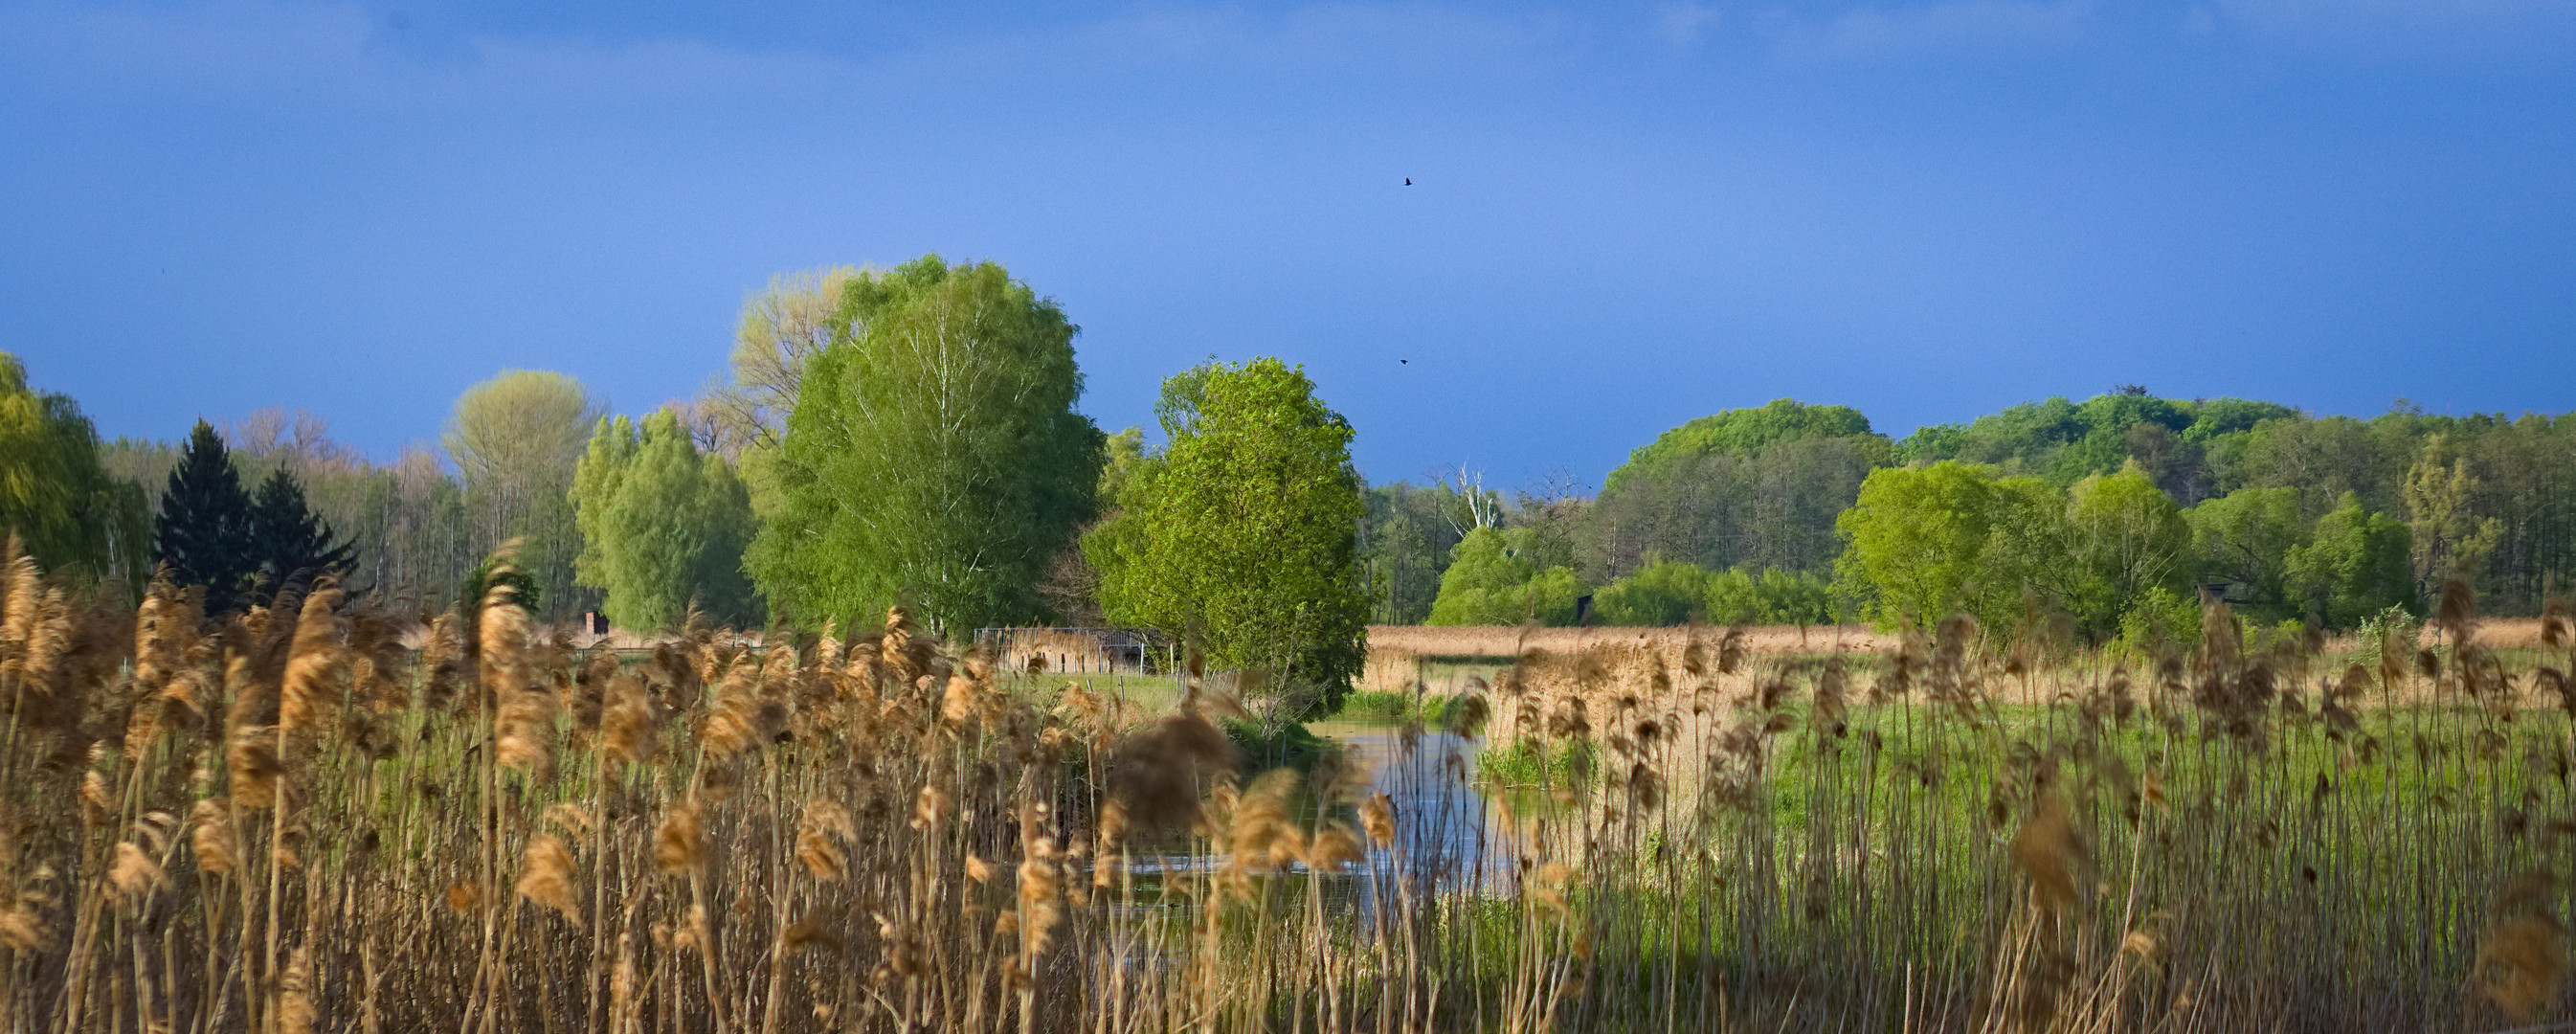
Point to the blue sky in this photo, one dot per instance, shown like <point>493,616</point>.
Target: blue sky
<point>1623,215</point>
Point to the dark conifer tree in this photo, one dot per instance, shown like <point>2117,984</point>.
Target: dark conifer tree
<point>204,528</point>
<point>291,546</point>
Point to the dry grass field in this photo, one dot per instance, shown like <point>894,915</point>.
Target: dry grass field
<point>286,822</point>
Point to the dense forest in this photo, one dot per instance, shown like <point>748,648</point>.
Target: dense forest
<point>1748,514</point>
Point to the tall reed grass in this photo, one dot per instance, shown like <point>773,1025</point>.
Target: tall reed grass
<point>288,821</point>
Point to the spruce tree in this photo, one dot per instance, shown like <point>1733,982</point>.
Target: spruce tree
<point>204,528</point>
<point>290,545</point>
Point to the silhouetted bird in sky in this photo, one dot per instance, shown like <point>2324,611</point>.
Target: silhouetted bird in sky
<point>1408,181</point>
<point>1405,362</point>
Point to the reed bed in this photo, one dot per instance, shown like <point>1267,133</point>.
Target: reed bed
<point>289,821</point>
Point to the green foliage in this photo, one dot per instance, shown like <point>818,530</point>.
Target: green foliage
<point>1492,580</point>
<point>1775,597</point>
<point>2371,635</point>
<point>933,457</point>
<point>516,440</point>
<point>1532,763</point>
<point>1773,507</point>
<point>2173,440</point>
<point>1663,594</point>
<point>1240,537</point>
<point>2355,565</point>
<point>2128,537</point>
<point>525,590</point>
<point>1742,432</point>
<point>67,513</point>
<point>1386,706</point>
<point>1956,537</point>
<point>1290,746</point>
<point>1406,539</point>
<point>291,546</point>
<point>2160,618</point>
<point>2246,537</point>
<point>1916,538</point>
<point>662,526</point>
<point>2218,418</point>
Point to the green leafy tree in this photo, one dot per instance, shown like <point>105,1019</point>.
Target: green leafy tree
<point>1915,538</point>
<point>933,457</point>
<point>1496,577</point>
<point>291,546</point>
<point>204,526</point>
<point>1243,540</point>
<point>2129,537</point>
<point>662,526</point>
<point>1927,541</point>
<point>55,496</point>
<point>1742,432</point>
<point>2355,564</point>
<point>2450,536</point>
<point>1666,593</point>
<point>2246,537</point>
<point>516,440</point>
<point>1774,597</point>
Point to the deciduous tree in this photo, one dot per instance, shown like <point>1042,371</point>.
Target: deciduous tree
<point>662,526</point>
<point>1244,541</point>
<point>933,457</point>
<point>516,440</point>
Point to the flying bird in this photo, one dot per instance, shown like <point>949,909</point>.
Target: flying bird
<point>1404,362</point>
<point>1408,181</point>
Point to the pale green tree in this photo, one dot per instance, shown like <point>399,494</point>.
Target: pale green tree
<point>2449,536</point>
<point>1496,577</point>
<point>1914,540</point>
<point>54,495</point>
<point>516,440</point>
<point>663,526</point>
<point>782,328</point>
<point>1665,593</point>
<point>2127,537</point>
<point>933,457</point>
<point>1243,540</point>
<point>1924,542</point>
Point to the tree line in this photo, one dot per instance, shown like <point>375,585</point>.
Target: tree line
<point>908,436</point>
<point>885,437</point>
<point>2119,511</point>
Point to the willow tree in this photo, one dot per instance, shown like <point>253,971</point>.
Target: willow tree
<point>662,526</point>
<point>933,457</point>
<point>67,513</point>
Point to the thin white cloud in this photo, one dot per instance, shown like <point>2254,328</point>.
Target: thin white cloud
<point>2408,29</point>
<point>1960,27</point>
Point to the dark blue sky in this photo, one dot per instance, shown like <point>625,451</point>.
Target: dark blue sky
<point>1623,216</point>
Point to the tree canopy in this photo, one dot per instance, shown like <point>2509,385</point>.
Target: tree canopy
<point>933,456</point>
<point>662,526</point>
<point>1241,538</point>
<point>1498,578</point>
<point>1742,432</point>
<point>515,440</point>
<point>67,513</point>
<point>290,545</point>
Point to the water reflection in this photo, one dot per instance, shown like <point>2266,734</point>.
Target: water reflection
<point>1447,837</point>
